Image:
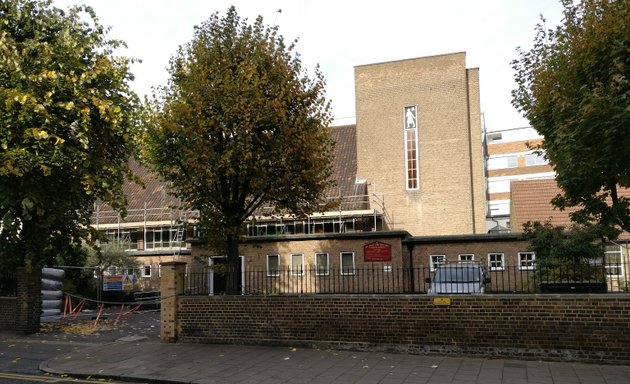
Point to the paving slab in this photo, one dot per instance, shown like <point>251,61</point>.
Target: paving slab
<point>147,360</point>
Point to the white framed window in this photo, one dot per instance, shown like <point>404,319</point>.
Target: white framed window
<point>499,207</point>
<point>502,162</point>
<point>146,271</point>
<point>495,137</point>
<point>496,261</point>
<point>273,265</point>
<point>512,161</point>
<point>526,260</point>
<point>346,261</point>
<point>613,257</point>
<point>498,186</point>
<point>466,257</point>
<point>322,264</point>
<point>162,237</point>
<point>127,238</point>
<point>410,124</point>
<point>297,264</point>
<point>436,260</point>
<point>532,159</point>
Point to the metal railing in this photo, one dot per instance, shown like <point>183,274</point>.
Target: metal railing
<point>386,279</point>
<point>143,215</point>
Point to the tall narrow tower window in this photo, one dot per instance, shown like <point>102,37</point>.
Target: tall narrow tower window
<point>411,146</point>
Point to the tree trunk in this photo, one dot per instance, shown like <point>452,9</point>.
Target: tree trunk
<point>233,270</point>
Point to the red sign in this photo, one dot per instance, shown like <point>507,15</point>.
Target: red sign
<point>377,251</point>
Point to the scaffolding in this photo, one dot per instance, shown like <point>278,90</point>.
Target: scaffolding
<point>352,213</point>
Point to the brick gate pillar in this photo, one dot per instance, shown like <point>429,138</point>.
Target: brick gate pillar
<point>29,300</point>
<point>171,285</point>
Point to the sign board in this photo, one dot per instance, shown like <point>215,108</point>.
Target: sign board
<point>377,251</point>
<point>442,301</point>
<point>119,282</point>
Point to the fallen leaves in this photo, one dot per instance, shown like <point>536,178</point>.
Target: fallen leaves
<point>79,329</point>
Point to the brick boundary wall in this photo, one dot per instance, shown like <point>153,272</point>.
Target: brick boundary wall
<point>21,313</point>
<point>7,313</point>
<point>590,328</point>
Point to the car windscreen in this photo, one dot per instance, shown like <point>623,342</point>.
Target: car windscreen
<point>457,275</point>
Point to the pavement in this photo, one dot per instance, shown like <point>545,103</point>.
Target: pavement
<point>153,362</point>
<point>131,351</point>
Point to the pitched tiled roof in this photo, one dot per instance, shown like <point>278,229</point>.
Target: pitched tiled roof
<point>148,202</point>
<point>154,193</point>
<point>531,201</point>
<point>154,196</point>
<point>345,169</point>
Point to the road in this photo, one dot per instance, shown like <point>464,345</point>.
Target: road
<point>20,356</point>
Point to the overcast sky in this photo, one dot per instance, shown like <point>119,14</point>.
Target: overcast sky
<point>339,35</point>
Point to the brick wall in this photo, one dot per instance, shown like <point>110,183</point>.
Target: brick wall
<point>450,198</point>
<point>255,252</point>
<point>476,160</point>
<point>560,327</point>
<point>512,147</point>
<point>7,312</point>
<point>29,300</point>
<point>509,244</point>
<point>22,313</point>
<point>406,252</point>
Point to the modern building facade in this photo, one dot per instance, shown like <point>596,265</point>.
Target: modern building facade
<point>511,157</point>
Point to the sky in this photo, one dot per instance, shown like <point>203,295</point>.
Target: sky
<point>338,35</point>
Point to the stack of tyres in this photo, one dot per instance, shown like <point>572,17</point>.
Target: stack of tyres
<point>52,294</point>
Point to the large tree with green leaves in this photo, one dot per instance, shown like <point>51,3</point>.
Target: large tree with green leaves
<point>67,123</point>
<point>567,254</point>
<point>240,125</point>
<point>574,88</point>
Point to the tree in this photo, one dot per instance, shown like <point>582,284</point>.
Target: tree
<point>566,255</point>
<point>110,254</point>
<point>101,257</point>
<point>67,122</point>
<point>574,88</point>
<point>240,125</point>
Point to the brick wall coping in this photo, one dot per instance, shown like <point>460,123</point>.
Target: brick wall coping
<point>411,59</point>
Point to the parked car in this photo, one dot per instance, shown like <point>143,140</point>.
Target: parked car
<point>458,278</point>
